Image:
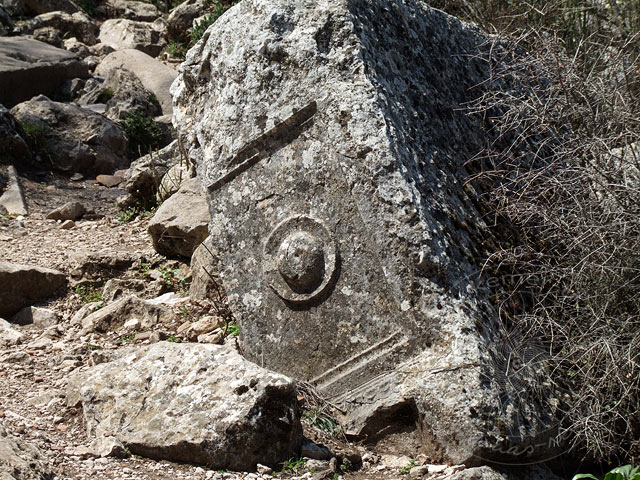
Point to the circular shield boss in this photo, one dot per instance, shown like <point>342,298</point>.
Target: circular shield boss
<point>300,259</point>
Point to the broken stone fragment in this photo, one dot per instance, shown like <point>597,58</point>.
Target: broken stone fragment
<point>348,245</point>
<point>24,285</point>
<point>181,223</point>
<point>68,211</point>
<point>201,404</point>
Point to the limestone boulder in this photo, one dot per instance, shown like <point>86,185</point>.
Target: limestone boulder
<point>20,460</point>
<point>154,75</point>
<point>122,34</point>
<point>76,139</point>
<point>24,285</point>
<point>192,403</point>
<point>128,95</point>
<point>78,25</point>
<point>29,67</point>
<point>12,143</point>
<point>131,10</point>
<point>332,141</point>
<point>181,18</point>
<point>181,223</point>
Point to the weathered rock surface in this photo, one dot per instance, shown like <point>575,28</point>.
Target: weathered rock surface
<point>77,139</point>
<point>115,315</point>
<point>29,67</point>
<point>144,36</point>
<point>19,460</point>
<point>129,95</point>
<point>181,223</point>
<point>181,19</point>
<point>77,25</point>
<point>191,403</point>
<point>132,10</point>
<point>23,285</point>
<point>96,267</point>
<point>12,143</point>
<point>154,75</point>
<point>332,141</point>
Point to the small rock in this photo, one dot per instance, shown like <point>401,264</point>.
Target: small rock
<point>419,471</point>
<point>109,180</point>
<point>263,469</point>
<point>314,451</point>
<point>109,447</point>
<point>69,211</point>
<point>8,335</point>
<point>40,317</point>
<point>67,225</point>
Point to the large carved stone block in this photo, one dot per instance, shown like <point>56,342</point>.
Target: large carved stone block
<point>332,142</point>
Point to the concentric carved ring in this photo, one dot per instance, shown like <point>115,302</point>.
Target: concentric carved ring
<point>300,259</point>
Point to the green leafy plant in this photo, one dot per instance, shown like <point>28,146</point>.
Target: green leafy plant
<point>128,339</point>
<point>36,135</point>
<point>407,468</point>
<point>319,418</point>
<point>129,214</point>
<point>89,294</point>
<point>619,473</point>
<point>176,49</point>
<point>174,339</point>
<point>145,134</point>
<point>293,465</point>
<point>231,328</point>
<point>105,95</point>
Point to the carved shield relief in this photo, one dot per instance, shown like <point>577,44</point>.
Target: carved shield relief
<point>300,270</point>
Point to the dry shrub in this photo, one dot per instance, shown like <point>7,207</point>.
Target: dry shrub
<point>560,177</point>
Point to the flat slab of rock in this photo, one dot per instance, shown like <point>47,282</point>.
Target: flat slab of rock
<point>24,285</point>
<point>20,460</point>
<point>181,223</point>
<point>13,198</point>
<point>201,404</point>
<point>154,75</point>
<point>78,140</point>
<point>348,242</point>
<point>29,67</point>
